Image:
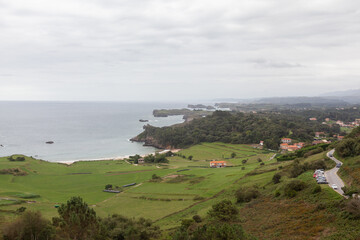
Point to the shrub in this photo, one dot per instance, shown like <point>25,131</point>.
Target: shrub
<point>276,178</point>
<point>259,160</point>
<point>223,211</point>
<point>292,187</point>
<point>17,159</point>
<point>197,218</point>
<point>349,191</point>
<point>233,155</point>
<point>155,177</point>
<point>108,186</point>
<point>353,207</point>
<point>244,161</point>
<point>262,164</point>
<point>290,193</point>
<point>246,195</point>
<point>30,225</point>
<point>316,189</point>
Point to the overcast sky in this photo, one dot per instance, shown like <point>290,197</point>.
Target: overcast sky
<point>177,50</point>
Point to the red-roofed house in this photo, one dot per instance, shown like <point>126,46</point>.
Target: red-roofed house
<point>319,134</point>
<point>217,164</point>
<point>312,119</point>
<point>286,140</point>
<point>284,146</point>
<point>340,137</point>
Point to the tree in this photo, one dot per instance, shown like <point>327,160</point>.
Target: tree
<point>190,157</point>
<point>108,186</point>
<point>29,226</point>
<point>244,161</point>
<point>119,227</point>
<point>276,178</point>
<point>233,155</point>
<point>223,211</point>
<point>76,220</point>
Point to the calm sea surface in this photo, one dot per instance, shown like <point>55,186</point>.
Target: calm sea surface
<point>80,130</point>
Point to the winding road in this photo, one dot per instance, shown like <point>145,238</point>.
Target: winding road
<point>331,175</point>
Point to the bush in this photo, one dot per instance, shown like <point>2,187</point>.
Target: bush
<point>292,187</point>
<point>17,159</point>
<point>353,207</point>
<point>246,195</point>
<point>30,225</point>
<point>276,178</point>
<point>290,193</point>
<point>349,191</point>
<point>244,161</point>
<point>316,189</point>
<point>197,218</point>
<point>223,211</point>
<point>155,178</point>
<point>262,164</point>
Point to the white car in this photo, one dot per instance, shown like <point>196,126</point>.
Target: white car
<point>334,186</point>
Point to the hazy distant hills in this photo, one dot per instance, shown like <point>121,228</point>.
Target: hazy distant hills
<point>339,98</point>
<point>301,100</point>
<point>348,93</point>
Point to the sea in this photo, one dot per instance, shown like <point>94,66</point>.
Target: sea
<point>79,130</point>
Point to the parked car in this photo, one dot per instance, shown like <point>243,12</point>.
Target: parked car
<point>334,186</point>
<point>338,165</point>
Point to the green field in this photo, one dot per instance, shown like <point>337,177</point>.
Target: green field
<point>48,184</point>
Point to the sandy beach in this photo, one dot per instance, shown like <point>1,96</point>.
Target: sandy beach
<point>69,162</point>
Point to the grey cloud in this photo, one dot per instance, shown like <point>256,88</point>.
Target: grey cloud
<point>228,45</point>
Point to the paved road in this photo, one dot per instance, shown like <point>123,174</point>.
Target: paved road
<point>331,175</point>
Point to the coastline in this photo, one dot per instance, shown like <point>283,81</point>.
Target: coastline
<point>122,158</point>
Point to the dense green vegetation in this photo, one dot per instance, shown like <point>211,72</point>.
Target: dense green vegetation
<point>239,128</point>
<point>350,146</point>
<point>182,199</point>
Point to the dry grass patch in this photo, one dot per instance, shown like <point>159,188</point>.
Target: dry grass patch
<point>285,219</point>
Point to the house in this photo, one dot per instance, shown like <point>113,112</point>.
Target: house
<point>286,140</point>
<point>316,142</point>
<point>141,161</point>
<point>300,144</point>
<point>327,119</point>
<point>217,164</point>
<point>262,143</point>
<point>313,119</point>
<point>292,148</point>
<point>319,134</point>
<point>284,146</point>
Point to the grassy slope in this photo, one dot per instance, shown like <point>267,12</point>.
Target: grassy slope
<point>56,183</point>
<point>307,216</point>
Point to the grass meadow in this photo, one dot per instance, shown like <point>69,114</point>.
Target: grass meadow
<point>48,184</point>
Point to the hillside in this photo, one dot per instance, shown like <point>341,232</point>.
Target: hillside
<point>238,128</point>
<point>290,206</point>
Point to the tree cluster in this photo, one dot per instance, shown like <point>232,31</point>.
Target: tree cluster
<point>77,221</point>
<point>242,128</point>
<point>350,146</point>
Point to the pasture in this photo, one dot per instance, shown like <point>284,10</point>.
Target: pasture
<point>177,194</point>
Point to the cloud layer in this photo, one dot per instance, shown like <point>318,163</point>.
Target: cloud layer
<point>177,50</point>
